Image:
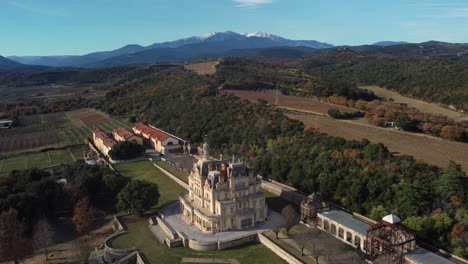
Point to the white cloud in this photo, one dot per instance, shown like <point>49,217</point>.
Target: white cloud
<point>251,3</point>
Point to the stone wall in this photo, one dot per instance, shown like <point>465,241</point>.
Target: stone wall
<point>278,250</point>
<point>170,233</point>
<point>117,225</point>
<point>133,258</point>
<point>114,254</point>
<point>177,180</point>
<point>288,193</point>
<point>202,246</point>
<point>237,241</point>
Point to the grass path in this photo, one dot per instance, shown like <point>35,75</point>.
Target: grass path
<point>418,104</point>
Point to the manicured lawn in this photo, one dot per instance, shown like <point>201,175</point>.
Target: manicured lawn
<point>140,237</point>
<point>178,173</point>
<point>61,156</point>
<point>15,163</point>
<point>146,171</point>
<point>38,160</point>
<point>78,151</point>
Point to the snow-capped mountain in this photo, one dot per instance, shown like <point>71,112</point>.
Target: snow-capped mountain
<point>210,42</point>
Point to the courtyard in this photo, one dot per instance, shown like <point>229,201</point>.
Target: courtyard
<point>173,218</point>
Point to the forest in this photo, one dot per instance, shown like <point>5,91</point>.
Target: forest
<point>436,79</point>
<point>363,177</point>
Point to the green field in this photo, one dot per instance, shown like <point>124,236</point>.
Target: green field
<point>178,173</point>
<point>418,104</point>
<point>145,171</point>
<point>40,159</point>
<point>140,237</point>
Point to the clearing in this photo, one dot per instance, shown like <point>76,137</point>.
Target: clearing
<point>208,67</point>
<point>424,148</point>
<point>308,105</point>
<point>418,104</point>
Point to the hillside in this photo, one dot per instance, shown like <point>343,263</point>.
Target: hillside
<point>7,65</point>
<point>190,106</point>
<point>436,79</point>
<point>185,49</point>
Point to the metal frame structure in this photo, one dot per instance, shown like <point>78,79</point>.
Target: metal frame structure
<point>390,240</point>
<point>312,205</point>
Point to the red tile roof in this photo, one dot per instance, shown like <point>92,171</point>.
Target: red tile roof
<point>153,133</point>
<point>123,133</point>
<point>110,143</point>
<point>100,134</point>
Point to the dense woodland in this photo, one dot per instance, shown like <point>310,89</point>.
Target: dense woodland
<point>437,79</point>
<point>245,74</point>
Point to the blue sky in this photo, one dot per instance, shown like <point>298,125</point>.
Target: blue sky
<point>57,27</point>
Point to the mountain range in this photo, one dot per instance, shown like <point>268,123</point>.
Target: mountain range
<point>213,45</point>
<point>178,50</point>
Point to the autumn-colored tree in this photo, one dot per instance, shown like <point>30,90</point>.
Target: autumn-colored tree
<point>360,105</point>
<point>83,215</point>
<point>14,245</point>
<point>459,230</point>
<point>43,235</point>
<point>452,132</point>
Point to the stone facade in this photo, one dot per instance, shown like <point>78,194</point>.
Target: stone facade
<point>222,196</point>
<point>103,141</point>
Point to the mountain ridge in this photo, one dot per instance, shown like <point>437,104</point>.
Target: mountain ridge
<point>93,58</point>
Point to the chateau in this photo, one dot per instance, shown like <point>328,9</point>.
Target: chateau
<point>222,196</point>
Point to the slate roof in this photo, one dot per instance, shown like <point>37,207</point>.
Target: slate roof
<point>346,220</point>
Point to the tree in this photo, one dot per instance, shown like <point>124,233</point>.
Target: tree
<point>377,213</point>
<point>126,150</point>
<point>450,181</point>
<point>138,196</point>
<point>14,245</point>
<point>452,132</point>
<point>404,122</point>
<point>290,214</point>
<point>276,229</point>
<point>83,215</point>
<point>43,235</point>
<point>334,113</point>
